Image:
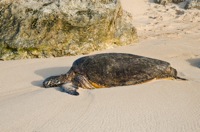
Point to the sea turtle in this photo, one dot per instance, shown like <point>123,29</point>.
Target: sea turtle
<point>109,70</point>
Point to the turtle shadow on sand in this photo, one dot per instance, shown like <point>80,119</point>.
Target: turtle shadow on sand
<point>194,62</point>
<point>48,72</point>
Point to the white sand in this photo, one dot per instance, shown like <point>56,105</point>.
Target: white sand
<point>156,106</point>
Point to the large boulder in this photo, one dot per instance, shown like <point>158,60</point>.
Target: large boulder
<point>46,28</point>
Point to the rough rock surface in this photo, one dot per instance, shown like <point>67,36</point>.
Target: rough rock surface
<point>46,28</point>
<point>192,4</point>
<point>188,3</point>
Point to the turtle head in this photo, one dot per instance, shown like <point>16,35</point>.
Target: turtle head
<point>55,81</point>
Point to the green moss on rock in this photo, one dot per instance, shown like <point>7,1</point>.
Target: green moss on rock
<point>35,29</point>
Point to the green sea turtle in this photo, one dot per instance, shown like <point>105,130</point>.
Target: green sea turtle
<point>109,70</point>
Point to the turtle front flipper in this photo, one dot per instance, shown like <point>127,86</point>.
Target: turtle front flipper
<point>82,81</point>
<point>55,81</point>
<point>69,88</point>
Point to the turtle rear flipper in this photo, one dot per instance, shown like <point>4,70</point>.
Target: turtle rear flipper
<point>174,73</point>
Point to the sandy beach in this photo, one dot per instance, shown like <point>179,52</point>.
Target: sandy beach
<point>168,33</point>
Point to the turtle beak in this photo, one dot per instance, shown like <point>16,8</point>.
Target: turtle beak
<point>53,81</point>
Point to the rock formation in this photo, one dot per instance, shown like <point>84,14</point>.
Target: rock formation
<point>51,28</point>
<point>188,3</point>
<point>192,4</point>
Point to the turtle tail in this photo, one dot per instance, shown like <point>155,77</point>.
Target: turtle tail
<point>180,78</point>
<point>173,73</point>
